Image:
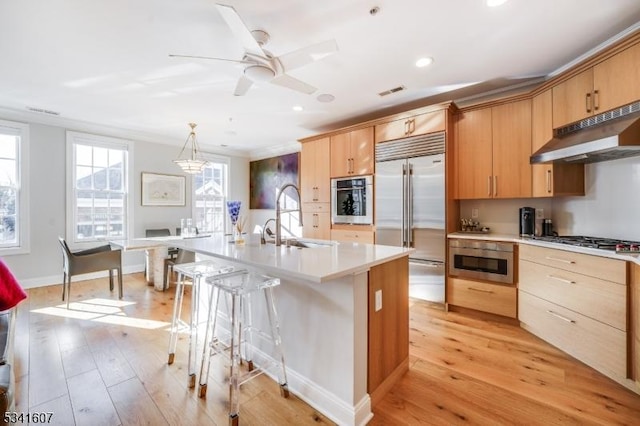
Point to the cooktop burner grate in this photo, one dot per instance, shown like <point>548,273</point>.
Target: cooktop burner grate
<point>592,242</point>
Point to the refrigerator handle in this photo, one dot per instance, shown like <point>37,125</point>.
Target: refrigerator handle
<point>404,205</point>
<point>410,207</point>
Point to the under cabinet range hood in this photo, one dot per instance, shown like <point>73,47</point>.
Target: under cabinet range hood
<point>607,136</point>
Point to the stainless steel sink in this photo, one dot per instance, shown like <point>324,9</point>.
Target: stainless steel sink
<point>305,244</point>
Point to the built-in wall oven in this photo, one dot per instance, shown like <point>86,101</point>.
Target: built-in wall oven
<point>352,200</point>
<point>482,260</point>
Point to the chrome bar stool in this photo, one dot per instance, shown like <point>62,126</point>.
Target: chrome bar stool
<point>239,288</point>
<point>196,271</point>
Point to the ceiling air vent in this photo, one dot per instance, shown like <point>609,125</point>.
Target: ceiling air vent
<point>394,90</point>
<point>43,111</point>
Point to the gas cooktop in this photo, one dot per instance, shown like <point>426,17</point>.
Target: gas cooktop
<point>593,242</point>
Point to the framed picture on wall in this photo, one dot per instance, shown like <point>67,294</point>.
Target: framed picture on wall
<point>163,190</point>
<point>269,174</point>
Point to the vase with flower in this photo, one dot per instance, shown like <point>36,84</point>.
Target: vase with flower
<point>237,221</point>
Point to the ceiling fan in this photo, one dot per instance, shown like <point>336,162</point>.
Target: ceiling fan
<point>262,66</point>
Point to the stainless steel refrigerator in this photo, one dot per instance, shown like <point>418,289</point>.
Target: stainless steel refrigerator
<point>410,208</point>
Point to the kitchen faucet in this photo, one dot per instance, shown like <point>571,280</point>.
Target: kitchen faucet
<point>280,211</point>
<point>263,240</point>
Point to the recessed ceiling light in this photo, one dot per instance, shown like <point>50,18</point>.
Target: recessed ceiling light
<point>423,62</point>
<point>325,97</point>
<point>495,3</point>
<point>297,108</point>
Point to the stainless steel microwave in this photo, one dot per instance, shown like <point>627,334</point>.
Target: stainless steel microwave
<point>481,260</point>
<point>352,200</point>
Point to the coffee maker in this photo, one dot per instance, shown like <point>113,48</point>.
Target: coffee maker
<point>527,221</point>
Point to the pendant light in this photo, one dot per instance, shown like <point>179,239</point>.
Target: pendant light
<point>194,164</point>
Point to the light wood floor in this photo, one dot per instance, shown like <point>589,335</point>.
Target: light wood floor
<point>104,362</point>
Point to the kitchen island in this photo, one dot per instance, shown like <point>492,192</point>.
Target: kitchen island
<point>339,349</point>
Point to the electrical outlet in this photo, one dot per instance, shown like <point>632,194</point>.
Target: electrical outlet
<point>474,213</point>
<point>378,300</point>
<point>539,213</point>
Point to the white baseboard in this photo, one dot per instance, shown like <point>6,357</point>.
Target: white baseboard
<point>57,279</point>
<point>336,409</point>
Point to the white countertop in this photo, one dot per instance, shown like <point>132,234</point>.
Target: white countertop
<point>318,264</point>
<point>523,240</point>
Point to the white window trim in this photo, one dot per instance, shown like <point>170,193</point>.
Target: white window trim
<point>106,142</point>
<point>214,159</point>
<point>24,243</point>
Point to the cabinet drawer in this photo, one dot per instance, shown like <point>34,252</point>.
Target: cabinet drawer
<point>352,236</point>
<point>492,298</point>
<point>595,298</point>
<point>316,207</point>
<point>594,343</point>
<point>595,266</point>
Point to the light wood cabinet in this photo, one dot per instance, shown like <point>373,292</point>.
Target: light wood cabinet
<point>315,182</point>
<point>352,153</point>
<point>493,146</point>
<point>482,296</point>
<point>577,302</point>
<point>634,309</point>
<point>609,84</point>
<point>353,235</point>
<point>549,180</point>
<point>316,224</point>
<point>414,126</point>
<point>315,189</point>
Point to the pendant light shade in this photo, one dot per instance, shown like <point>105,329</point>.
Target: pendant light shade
<point>192,164</point>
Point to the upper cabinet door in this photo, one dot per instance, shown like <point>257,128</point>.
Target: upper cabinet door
<point>473,153</point>
<point>616,81</point>
<point>314,171</point>
<point>413,126</point>
<point>572,99</point>
<point>512,149</point>
<point>362,151</point>
<point>341,154</point>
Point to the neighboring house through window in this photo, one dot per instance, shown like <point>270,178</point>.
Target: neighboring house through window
<point>210,195</point>
<point>14,188</point>
<point>98,188</point>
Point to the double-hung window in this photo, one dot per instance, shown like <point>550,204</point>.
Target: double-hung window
<point>210,195</point>
<point>14,189</point>
<point>98,188</point>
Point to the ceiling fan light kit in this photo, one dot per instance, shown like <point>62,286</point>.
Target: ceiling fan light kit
<point>192,164</point>
<point>262,66</point>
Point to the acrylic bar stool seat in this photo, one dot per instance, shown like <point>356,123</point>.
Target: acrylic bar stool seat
<point>196,271</point>
<point>239,288</point>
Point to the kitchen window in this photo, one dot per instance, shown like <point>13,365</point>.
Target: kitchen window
<point>210,195</point>
<point>14,188</point>
<point>98,188</point>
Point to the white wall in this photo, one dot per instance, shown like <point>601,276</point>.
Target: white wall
<point>47,197</point>
<point>611,206</point>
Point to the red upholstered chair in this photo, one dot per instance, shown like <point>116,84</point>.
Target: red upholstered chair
<point>97,259</point>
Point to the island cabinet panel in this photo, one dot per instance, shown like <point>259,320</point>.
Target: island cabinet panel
<point>389,326</point>
<point>549,180</point>
<point>578,303</point>
<point>635,323</point>
<point>352,153</point>
<point>413,126</point>
<point>315,182</point>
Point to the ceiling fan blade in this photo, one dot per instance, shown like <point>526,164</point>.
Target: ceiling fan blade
<point>289,82</point>
<point>243,86</point>
<point>240,30</point>
<point>211,58</point>
<point>307,55</point>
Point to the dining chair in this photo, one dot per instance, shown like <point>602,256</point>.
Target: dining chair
<point>96,259</point>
